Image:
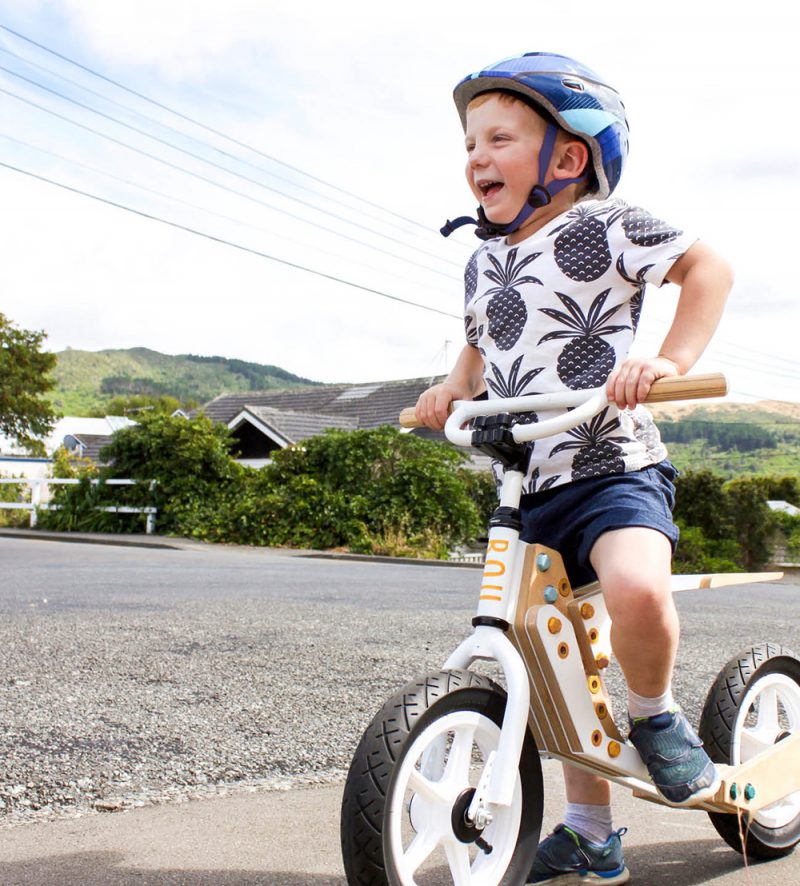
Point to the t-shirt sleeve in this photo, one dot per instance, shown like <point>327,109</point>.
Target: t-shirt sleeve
<point>470,288</point>
<point>647,247</point>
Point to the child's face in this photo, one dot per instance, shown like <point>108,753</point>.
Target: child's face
<point>503,139</point>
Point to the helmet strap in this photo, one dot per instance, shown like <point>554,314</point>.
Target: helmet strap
<point>538,197</point>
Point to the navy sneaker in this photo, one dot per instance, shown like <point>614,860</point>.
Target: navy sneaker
<point>673,753</point>
<point>567,858</point>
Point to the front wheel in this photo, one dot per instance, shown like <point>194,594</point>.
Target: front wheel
<point>755,703</point>
<point>412,779</point>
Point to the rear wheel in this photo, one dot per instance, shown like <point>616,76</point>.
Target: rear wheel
<point>411,782</point>
<point>755,703</point>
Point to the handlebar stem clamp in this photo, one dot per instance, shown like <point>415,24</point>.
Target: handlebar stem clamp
<point>491,434</point>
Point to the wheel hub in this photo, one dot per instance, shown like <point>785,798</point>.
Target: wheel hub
<point>464,829</point>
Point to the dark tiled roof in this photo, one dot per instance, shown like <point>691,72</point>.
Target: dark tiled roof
<point>370,405</point>
<point>295,426</point>
<point>89,445</point>
<point>355,406</point>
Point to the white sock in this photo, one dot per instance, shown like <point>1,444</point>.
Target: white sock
<point>592,822</point>
<point>641,706</point>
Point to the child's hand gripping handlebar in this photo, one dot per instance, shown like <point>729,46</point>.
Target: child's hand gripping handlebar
<point>582,405</point>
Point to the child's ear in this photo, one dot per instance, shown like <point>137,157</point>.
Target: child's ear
<point>572,159</point>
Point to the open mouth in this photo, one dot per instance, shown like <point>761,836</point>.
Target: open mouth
<point>489,189</point>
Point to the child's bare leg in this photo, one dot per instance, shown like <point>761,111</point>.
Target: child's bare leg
<point>633,566</point>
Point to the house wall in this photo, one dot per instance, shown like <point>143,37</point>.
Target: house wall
<point>21,466</point>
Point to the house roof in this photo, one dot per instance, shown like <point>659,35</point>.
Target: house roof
<point>288,425</point>
<point>784,507</point>
<point>89,445</point>
<point>356,406</point>
<point>368,405</point>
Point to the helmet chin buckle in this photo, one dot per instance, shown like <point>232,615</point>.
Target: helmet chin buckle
<point>539,196</point>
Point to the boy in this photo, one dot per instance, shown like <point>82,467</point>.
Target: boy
<point>552,302</point>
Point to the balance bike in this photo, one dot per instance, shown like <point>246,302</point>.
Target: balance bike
<point>446,783</point>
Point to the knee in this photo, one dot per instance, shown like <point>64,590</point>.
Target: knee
<point>638,600</point>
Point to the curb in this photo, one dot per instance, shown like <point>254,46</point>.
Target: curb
<point>133,541</point>
<point>142,541</point>
<point>378,558</point>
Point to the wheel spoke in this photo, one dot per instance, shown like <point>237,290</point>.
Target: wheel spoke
<point>768,724</point>
<point>458,859</point>
<point>421,847</point>
<point>460,757</point>
<point>752,742</point>
<point>426,788</point>
<point>432,760</point>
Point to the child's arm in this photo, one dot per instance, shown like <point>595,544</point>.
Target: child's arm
<point>705,280</point>
<point>463,383</point>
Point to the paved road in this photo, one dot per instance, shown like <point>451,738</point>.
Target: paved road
<point>167,675</point>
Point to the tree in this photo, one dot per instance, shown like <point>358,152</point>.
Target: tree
<point>25,414</point>
<point>700,501</point>
<point>189,460</point>
<point>754,524</point>
<point>377,491</point>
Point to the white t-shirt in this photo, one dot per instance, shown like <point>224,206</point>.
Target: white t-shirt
<point>557,312</point>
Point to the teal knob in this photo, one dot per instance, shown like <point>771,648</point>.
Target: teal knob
<point>749,792</point>
<point>734,791</point>
<point>543,562</point>
<point>550,594</point>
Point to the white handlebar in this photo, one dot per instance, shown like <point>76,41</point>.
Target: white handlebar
<point>582,405</point>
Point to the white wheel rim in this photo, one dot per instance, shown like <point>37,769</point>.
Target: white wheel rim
<point>770,709</point>
<point>421,840</point>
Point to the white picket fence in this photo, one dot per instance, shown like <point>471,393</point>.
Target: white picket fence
<point>36,504</point>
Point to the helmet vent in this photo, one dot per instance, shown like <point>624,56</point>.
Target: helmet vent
<point>577,85</point>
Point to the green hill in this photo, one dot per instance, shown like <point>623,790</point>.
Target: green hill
<point>733,438</point>
<point>86,380</point>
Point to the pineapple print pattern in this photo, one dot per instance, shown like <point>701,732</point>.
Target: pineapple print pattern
<point>471,276</point>
<point>568,327</point>
<point>598,452</point>
<point>587,360</point>
<point>514,385</point>
<point>639,283</point>
<point>533,486</point>
<point>507,312</point>
<point>581,248</point>
<point>644,229</point>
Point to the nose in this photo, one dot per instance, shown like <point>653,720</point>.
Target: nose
<point>477,157</point>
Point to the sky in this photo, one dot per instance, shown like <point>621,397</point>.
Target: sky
<point>289,165</point>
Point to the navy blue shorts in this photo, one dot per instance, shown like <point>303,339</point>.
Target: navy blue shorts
<point>570,518</point>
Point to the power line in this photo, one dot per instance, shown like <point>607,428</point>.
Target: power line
<point>230,190</point>
<point>205,144</point>
<point>225,242</point>
<point>222,168</point>
<point>210,128</point>
<point>317,249</point>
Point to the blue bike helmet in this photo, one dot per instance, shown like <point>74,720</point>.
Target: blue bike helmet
<point>576,98</point>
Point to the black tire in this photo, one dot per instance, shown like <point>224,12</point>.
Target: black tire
<point>378,761</point>
<point>721,726</point>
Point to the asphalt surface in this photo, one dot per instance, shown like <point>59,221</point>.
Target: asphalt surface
<point>213,697</point>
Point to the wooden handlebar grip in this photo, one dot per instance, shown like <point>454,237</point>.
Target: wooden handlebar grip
<point>682,387</point>
<point>408,418</point>
<point>688,387</point>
